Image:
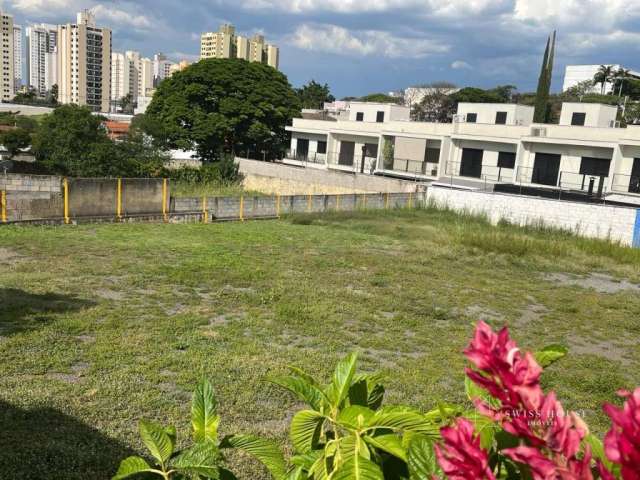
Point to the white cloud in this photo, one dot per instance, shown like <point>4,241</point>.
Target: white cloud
<point>334,39</point>
<point>117,17</point>
<point>460,65</point>
<point>596,14</point>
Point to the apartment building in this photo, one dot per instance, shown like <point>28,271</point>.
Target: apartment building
<point>84,63</point>
<point>131,74</point>
<point>488,144</point>
<point>42,41</point>
<point>226,44</point>
<point>7,82</point>
<point>18,56</point>
<point>161,68</point>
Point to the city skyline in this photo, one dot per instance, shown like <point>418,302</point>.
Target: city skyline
<point>391,44</point>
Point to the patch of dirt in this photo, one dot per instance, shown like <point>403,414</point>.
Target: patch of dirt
<point>596,281</point>
<point>108,294</point>
<point>177,309</point>
<point>77,374</point>
<point>86,338</point>
<point>478,312</point>
<point>531,313</point>
<point>600,348</point>
<point>232,289</point>
<point>10,257</point>
<point>388,358</point>
<point>172,389</point>
<point>388,315</point>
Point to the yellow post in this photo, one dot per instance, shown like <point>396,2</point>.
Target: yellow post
<point>309,203</point>
<point>119,199</point>
<point>337,203</point>
<point>386,200</point>
<point>205,214</point>
<point>65,190</point>
<point>278,205</point>
<point>3,205</point>
<point>165,191</point>
<point>242,208</point>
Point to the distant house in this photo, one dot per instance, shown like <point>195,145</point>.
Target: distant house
<point>116,130</point>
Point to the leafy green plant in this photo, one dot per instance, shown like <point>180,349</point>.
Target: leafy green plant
<point>347,433</point>
<point>204,459</point>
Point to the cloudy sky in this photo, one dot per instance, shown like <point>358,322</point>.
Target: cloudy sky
<point>365,46</point>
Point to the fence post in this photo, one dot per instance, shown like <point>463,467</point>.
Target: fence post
<point>337,202</point>
<point>164,199</point>
<point>309,203</point>
<point>119,199</point>
<point>278,205</point>
<point>205,214</point>
<point>65,191</point>
<point>3,206</point>
<point>242,208</point>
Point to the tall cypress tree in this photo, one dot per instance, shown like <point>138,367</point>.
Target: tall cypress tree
<point>544,81</point>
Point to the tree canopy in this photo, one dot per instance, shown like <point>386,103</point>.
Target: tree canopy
<point>380,98</point>
<point>224,105</point>
<point>314,95</point>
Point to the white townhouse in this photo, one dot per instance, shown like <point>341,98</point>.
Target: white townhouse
<point>486,143</point>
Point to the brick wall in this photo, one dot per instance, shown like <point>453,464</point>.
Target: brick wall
<point>588,220</point>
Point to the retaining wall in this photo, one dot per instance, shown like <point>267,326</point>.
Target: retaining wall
<point>32,197</point>
<point>620,224</point>
<point>276,178</point>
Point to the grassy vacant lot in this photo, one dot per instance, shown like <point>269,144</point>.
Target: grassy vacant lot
<point>103,325</point>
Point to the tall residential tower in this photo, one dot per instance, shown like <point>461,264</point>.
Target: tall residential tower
<point>7,81</point>
<point>226,44</point>
<point>84,63</point>
<point>42,41</point>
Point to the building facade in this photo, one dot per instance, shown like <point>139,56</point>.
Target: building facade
<point>575,74</point>
<point>7,82</point>
<point>84,63</point>
<point>161,68</point>
<point>226,44</point>
<point>18,58</point>
<point>42,41</point>
<point>585,154</point>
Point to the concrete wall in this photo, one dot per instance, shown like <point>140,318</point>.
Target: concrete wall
<point>234,208</point>
<point>31,197</point>
<point>596,114</point>
<point>274,178</point>
<point>596,221</point>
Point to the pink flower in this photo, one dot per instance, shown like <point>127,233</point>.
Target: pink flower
<point>622,443</point>
<point>461,457</point>
<point>553,437</point>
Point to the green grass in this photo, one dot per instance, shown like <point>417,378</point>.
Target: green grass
<point>103,325</point>
<point>210,189</point>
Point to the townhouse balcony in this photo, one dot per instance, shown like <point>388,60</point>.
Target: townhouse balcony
<point>625,183</point>
<point>305,159</point>
<point>407,168</point>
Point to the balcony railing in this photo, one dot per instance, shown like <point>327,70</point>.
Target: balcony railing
<point>488,173</point>
<point>412,167</point>
<point>625,183</point>
<point>307,157</point>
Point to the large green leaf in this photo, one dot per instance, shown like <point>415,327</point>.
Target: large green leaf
<point>355,417</point>
<point>305,391</point>
<point>201,459</point>
<point>305,430</point>
<point>264,450</point>
<point>204,419</point>
<point>484,427</point>
<point>132,466</point>
<point>366,391</point>
<point>358,468</point>
<point>403,419</point>
<point>421,458</point>
<point>350,446</point>
<point>550,354</point>
<point>341,379</point>
<point>390,443</point>
<point>157,441</point>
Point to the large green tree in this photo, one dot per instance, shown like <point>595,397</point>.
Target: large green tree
<point>72,141</point>
<point>224,105</point>
<point>314,95</point>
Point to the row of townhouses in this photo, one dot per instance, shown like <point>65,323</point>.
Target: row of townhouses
<point>487,144</point>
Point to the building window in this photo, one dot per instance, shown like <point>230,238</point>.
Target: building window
<point>380,117</point>
<point>360,117</point>
<point>432,155</point>
<point>472,117</point>
<point>371,150</point>
<point>322,147</point>
<point>506,160</point>
<point>501,118</point>
<point>578,119</point>
<point>598,167</point>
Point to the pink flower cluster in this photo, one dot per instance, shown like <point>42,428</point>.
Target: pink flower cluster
<point>622,443</point>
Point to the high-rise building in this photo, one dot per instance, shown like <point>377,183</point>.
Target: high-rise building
<point>84,63</point>
<point>130,75</point>
<point>7,88</point>
<point>226,44</point>
<point>120,76</point>
<point>17,58</point>
<point>145,77</point>
<point>161,68</point>
<point>42,41</point>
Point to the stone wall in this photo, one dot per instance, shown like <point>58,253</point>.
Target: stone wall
<point>32,197</point>
<point>588,220</point>
<point>276,178</point>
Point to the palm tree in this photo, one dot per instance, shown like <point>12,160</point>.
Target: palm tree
<point>603,76</point>
<point>620,76</point>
